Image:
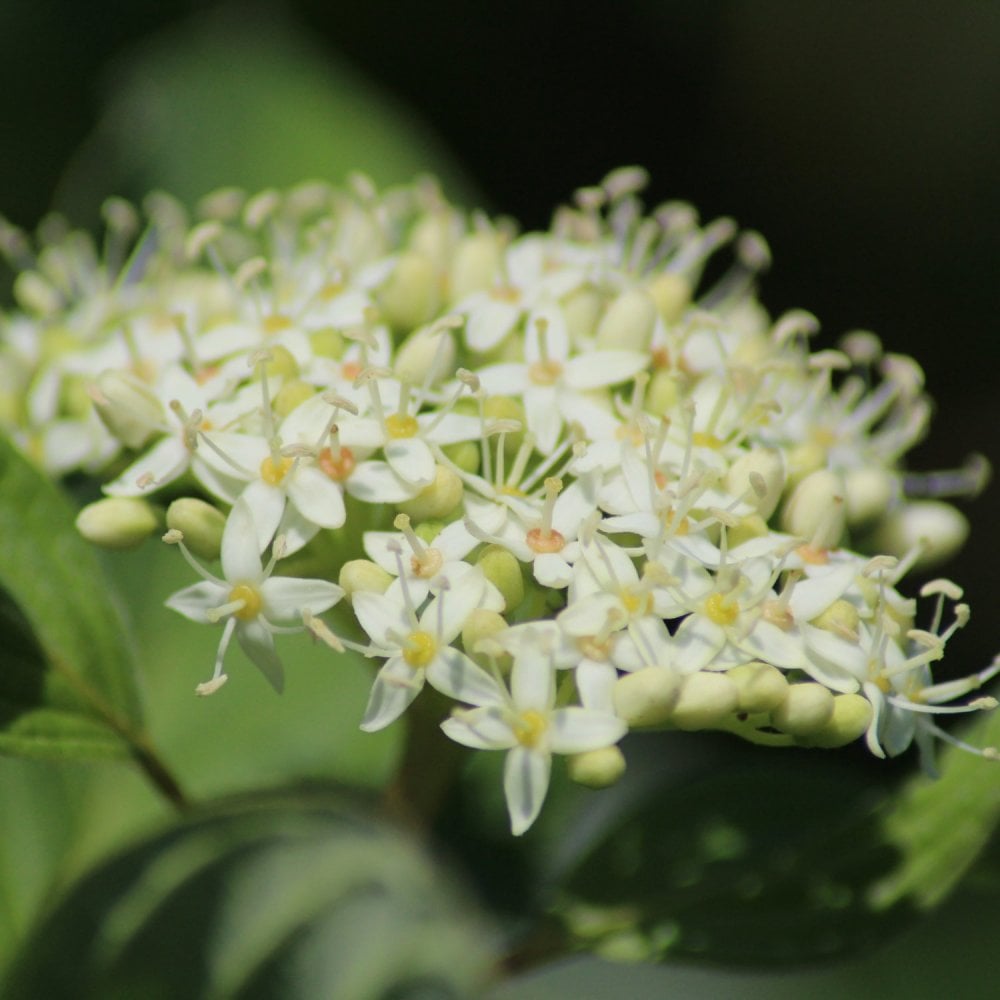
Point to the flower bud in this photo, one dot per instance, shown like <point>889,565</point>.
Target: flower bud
<point>582,310</point>
<point>806,710</point>
<point>293,393</point>
<point>410,296</point>
<point>760,687</point>
<point>282,363</point>
<point>327,343</point>
<point>200,523</point>
<point>646,697</point>
<point>597,768</point>
<point>802,460</point>
<point>436,234</point>
<point>937,527</point>
<point>438,499</point>
<point>483,624</point>
<point>127,406</point>
<point>36,295</point>
<point>474,264</point>
<point>628,322</point>
<point>503,570</point>
<point>672,294</point>
<point>363,576</point>
<point>428,353</point>
<point>664,392</point>
<point>747,528</point>
<point>705,699</point>
<point>117,522</point>
<point>841,618</point>
<point>464,454</point>
<point>761,469</point>
<point>815,510</point>
<point>868,494</point>
<point>852,714</point>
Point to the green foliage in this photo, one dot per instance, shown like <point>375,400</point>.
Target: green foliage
<point>68,686</point>
<point>296,895</point>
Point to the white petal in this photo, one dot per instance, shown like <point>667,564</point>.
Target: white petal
<point>774,645</point>
<point>454,606</point>
<point>696,643</point>
<point>317,496</point>
<point>480,728</point>
<point>532,681</point>
<point>258,643</point>
<point>525,783</point>
<point>596,684</point>
<point>379,616</point>
<point>164,462</point>
<point>552,570</point>
<point>286,597</point>
<point>240,546</point>
<point>454,674</point>
<point>508,379</point>
<point>589,371</point>
<point>297,531</point>
<point>541,408</point>
<point>192,602</point>
<point>554,344</point>
<point>266,504</point>
<point>395,687</point>
<point>577,730</point>
<point>411,459</point>
<point>375,482</point>
<point>451,428</point>
<point>489,322</point>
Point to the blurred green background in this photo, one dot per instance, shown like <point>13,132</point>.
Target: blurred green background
<point>863,140</point>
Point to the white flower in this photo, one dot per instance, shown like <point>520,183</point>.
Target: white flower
<point>530,728</point>
<point>250,599</point>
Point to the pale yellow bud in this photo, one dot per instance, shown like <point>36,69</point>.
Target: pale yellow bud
<point>474,265</point>
<point>803,459</point>
<point>327,343</point>
<point>806,710</point>
<point>281,363</point>
<point>200,523</point>
<point>438,499</point>
<point>127,407</point>
<point>704,700</point>
<point>841,618</point>
<point>760,686</point>
<point>483,624</point>
<point>117,522</point>
<point>363,576</point>
<point>410,296</point>
<point>292,394</point>
<point>751,526</point>
<point>628,323</point>
<point>937,527</point>
<point>503,570</point>
<point>464,454</point>
<point>759,477</point>
<point>599,768</point>
<point>436,235</point>
<point>815,510</point>
<point>851,717</point>
<point>672,295</point>
<point>582,310</point>
<point>664,392</point>
<point>646,697</point>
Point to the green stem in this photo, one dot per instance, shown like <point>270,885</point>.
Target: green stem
<point>160,775</point>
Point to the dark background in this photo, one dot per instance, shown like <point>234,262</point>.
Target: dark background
<point>862,139</point>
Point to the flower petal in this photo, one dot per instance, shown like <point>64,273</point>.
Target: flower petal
<point>483,728</point>
<point>525,784</point>
<point>395,687</point>
<point>258,643</point>
<point>286,597</point>
<point>241,546</point>
<point>577,730</point>
<point>454,674</point>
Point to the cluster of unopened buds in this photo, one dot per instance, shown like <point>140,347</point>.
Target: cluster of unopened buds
<point>549,474</point>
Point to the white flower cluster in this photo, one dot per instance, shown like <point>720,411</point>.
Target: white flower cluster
<point>553,480</point>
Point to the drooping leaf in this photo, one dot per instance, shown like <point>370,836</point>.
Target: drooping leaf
<point>294,895</point>
<point>67,688</point>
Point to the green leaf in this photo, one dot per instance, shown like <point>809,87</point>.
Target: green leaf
<point>740,860</point>
<point>67,688</point>
<point>289,895</point>
<point>249,100</point>
<point>940,826</point>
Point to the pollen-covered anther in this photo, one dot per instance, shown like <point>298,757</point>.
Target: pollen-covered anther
<point>210,687</point>
<point>318,628</point>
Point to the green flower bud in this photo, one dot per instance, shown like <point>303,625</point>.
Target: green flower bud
<point>483,624</point>
<point>802,460</point>
<point>815,510</point>
<point>664,392</point>
<point>293,393</point>
<point>806,710</point>
<point>751,526</point>
<point>74,398</point>
<point>852,714</point>
<point>427,531</point>
<point>503,570</point>
<point>582,310</point>
<point>427,353</point>
<point>127,407</point>
<point>464,454</point>
<point>704,700</point>
<point>646,697</point>
<point>327,343</point>
<point>841,618</point>
<point>438,499</point>
<point>435,235</point>
<point>117,522</point>
<point>599,768</point>
<point>672,294</point>
<point>869,493</point>
<point>282,363</point>
<point>939,529</point>
<point>474,265</point>
<point>759,477</point>
<point>200,523</point>
<point>628,322</point>
<point>363,576</point>
<point>760,687</point>
<point>410,297</point>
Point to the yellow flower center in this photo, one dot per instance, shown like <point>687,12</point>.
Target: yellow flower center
<point>530,727</point>
<point>704,440</point>
<point>634,602</point>
<point>272,473</point>
<point>397,425</point>
<point>719,610</point>
<point>428,564</point>
<point>419,650</point>
<point>544,372</point>
<point>276,323</point>
<point>252,603</point>
<point>338,469</point>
